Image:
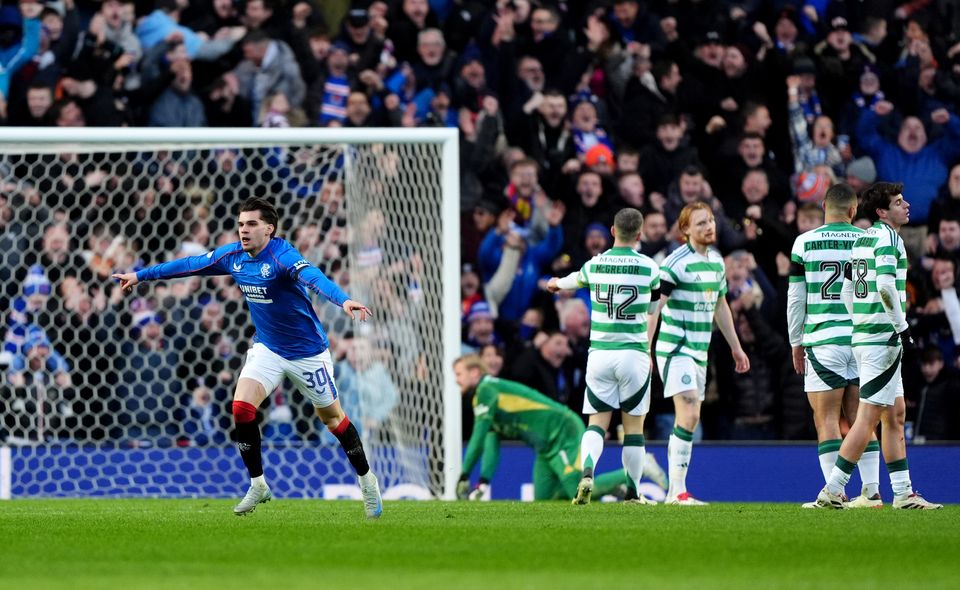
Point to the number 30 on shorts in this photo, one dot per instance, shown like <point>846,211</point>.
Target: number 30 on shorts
<point>317,380</point>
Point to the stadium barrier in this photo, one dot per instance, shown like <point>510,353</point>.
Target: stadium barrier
<point>719,472</point>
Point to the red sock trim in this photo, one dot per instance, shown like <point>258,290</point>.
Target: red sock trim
<point>244,412</point>
<point>342,427</point>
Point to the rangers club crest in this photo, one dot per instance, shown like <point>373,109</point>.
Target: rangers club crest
<point>265,271</point>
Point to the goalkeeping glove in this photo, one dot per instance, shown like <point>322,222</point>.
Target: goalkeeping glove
<point>479,492</point>
<point>463,487</point>
<point>909,348</point>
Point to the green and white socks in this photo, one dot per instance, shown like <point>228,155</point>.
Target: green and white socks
<point>679,450</point>
<point>899,477</point>
<point>869,467</point>
<point>591,447</point>
<point>869,464</point>
<point>634,452</point>
<point>828,451</point>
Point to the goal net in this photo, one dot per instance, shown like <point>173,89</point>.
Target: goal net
<point>105,394</point>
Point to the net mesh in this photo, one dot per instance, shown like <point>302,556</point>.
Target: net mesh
<point>88,373</point>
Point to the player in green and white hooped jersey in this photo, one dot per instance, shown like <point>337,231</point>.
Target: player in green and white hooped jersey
<point>874,291</point>
<point>623,284</point>
<point>820,331</point>
<point>693,286</point>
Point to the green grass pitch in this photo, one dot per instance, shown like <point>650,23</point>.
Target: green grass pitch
<point>287,544</point>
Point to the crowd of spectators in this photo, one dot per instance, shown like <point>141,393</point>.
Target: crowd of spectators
<point>567,112</point>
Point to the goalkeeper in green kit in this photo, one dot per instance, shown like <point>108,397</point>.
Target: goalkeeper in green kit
<point>509,410</point>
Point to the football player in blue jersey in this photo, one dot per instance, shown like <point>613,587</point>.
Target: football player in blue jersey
<point>289,340</point>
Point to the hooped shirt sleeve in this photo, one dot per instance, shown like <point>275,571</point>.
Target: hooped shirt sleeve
<point>886,254</point>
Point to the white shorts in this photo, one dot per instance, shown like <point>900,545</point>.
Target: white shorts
<point>880,380</point>
<point>681,373</point>
<point>829,367</point>
<point>313,375</point>
<point>617,380</point>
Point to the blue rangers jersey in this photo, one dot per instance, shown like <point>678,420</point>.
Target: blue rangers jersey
<point>275,284</point>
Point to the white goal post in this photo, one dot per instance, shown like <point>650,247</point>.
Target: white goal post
<point>389,197</point>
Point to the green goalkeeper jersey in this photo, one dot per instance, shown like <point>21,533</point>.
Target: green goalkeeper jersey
<point>506,409</point>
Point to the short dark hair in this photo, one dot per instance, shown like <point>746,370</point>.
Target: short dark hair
<point>931,355</point>
<point>877,196</point>
<point>268,213</point>
<point>628,222</point>
<point>809,208</point>
<point>668,119</point>
<point>37,85</point>
<point>256,36</point>
<point>839,197</point>
<point>661,68</point>
<point>948,219</point>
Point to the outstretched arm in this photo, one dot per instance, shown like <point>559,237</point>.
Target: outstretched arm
<point>314,279</point>
<point>300,270</point>
<point>571,282</point>
<point>208,265</point>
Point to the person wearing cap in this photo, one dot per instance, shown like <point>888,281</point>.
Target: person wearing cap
<point>861,173</point>
<point>36,356</point>
<point>326,99</point>
<point>806,91</point>
<point>365,49</point>
<point>841,61</point>
<point>596,240</point>
<point>704,82</point>
<point>480,328</point>
<point>867,94</point>
<point>31,310</point>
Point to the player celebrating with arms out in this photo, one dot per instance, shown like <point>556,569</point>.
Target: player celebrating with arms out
<point>875,293</point>
<point>623,284</point>
<point>693,286</point>
<point>820,331</point>
<point>289,341</point>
